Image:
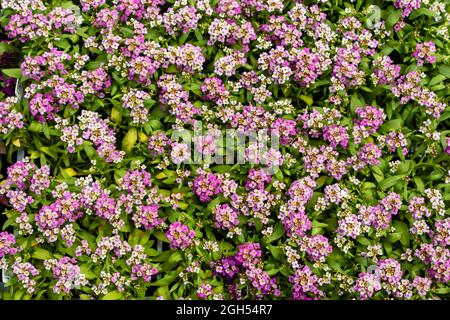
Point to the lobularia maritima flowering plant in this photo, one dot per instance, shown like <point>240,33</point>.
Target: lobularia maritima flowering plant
<point>338,185</point>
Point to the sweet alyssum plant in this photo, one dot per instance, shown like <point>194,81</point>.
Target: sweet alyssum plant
<point>342,194</point>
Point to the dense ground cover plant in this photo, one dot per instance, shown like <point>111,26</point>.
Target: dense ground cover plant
<point>352,203</point>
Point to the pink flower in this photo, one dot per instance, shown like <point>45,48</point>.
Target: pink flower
<point>179,236</point>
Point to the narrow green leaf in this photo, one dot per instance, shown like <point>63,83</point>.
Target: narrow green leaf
<point>113,295</point>
<point>13,73</point>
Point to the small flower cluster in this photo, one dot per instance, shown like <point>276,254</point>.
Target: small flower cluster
<point>425,53</point>
<point>67,274</point>
<point>28,25</point>
<point>10,118</point>
<point>226,218</point>
<point>147,216</point>
<point>134,100</point>
<point>173,95</point>
<point>247,261</point>
<point>207,186</point>
<point>179,235</point>
<point>25,272</point>
<point>7,242</point>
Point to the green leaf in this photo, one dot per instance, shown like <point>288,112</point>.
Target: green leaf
<point>394,237</point>
<point>445,70</point>
<point>443,290</point>
<point>393,18</point>
<point>435,175</point>
<point>168,279</point>
<point>47,150</point>
<point>182,39</point>
<point>419,183</point>
<point>321,181</point>
<point>35,127</point>
<point>391,125</point>
<point>4,47</point>
<point>404,167</point>
<point>84,235</point>
<point>387,246</point>
<point>403,229</point>
<point>175,257</point>
<point>164,292</point>
<point>89,149</point>
<point>389,182</point>
<point>113,295</point>
<point>377,173</point>
<point>41,254</point>
<point>317,224</point>
<point>9,222</point>
<point>198,35</point>
<point>363,240</point>
<point>155,124</point>
<point>335,261</point>
<point>277,233</point>
<point>438,87</point>
<point>437,79</point>
<point>223,168</point>
<point>116,115</point>
<point>369,185</point>
<point>129,140</point>
<point>355,102</point>
<point>19,294</point>
<point>84,269</point>
<point>160,236</point>
<point>67,4</point>
<point>212,204</point>
<point>308,100</point>
<point>13,73</point>
<point>127,32</point>
<point>67,173</point>
<point>273,272</point>
<point>423,12</point>
<point>134,237</point>
<point>63,44</point>
<point>276,252</point>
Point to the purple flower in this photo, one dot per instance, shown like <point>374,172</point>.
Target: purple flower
<point>206,186</point>
<point>249,254</point>
<point>366,285</point>
<point>7,242</point>
<point>179,235</point>
<point>305,284</point>
<point>336,135</point>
